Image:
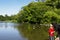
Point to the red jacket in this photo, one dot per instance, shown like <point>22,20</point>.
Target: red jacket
<point>51,32</point>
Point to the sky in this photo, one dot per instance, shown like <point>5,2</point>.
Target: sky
<point>12,7</point>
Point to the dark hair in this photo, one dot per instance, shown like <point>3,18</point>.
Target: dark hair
<point>56,27</point>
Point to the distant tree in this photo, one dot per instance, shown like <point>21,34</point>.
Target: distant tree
<point>2,18</point>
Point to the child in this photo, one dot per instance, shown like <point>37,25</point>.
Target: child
<point>51,32</point>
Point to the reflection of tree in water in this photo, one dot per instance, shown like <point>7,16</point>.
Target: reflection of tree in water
<point>6,25</point>
<point>33,34</point>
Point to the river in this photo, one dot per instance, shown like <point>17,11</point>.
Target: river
<point>14,31</point>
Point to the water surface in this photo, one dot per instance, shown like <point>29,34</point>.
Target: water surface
<point>8,31</point>
<point>25,31</point>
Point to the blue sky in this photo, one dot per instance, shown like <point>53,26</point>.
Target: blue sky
<point>11,7</point>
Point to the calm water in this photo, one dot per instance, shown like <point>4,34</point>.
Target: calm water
<point>13,31</point>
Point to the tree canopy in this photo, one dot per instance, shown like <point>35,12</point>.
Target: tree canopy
<point>39,12</point>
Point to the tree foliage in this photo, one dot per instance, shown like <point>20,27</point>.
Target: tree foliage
<point>38,12</point>
<point>51,16</point>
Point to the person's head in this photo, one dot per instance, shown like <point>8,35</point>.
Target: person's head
<point>55,25</point>
<point>51,26</point>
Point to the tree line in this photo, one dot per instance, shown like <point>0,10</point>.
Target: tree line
<point>8,18</point>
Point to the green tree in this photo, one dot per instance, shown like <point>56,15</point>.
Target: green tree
<point>51,16</point>
<point>33,12</point>
<point>2,18</point>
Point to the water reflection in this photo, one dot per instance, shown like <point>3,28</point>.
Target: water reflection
<point>26,31</point>
<point>33,32</point>
<point>8,31</point>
